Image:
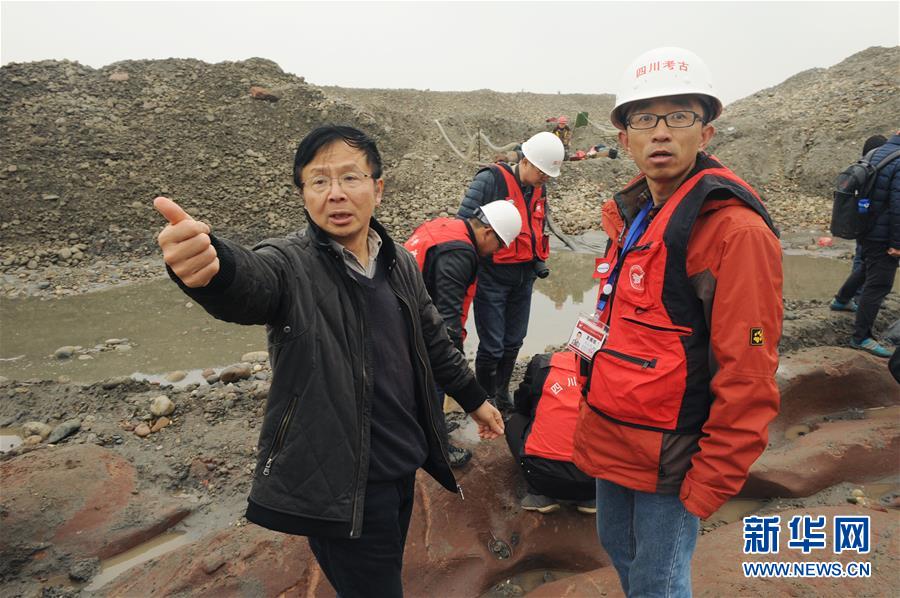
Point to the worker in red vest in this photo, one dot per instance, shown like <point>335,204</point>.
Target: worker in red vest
<point>541,430</point>
<point>505,281</point>
<point>447,252</point>
<point>681,392</point>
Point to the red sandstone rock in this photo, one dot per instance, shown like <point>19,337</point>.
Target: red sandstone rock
<point>77,501</point>
<point>717,565</point>
<point>447,550</point>
<point>261,93</point>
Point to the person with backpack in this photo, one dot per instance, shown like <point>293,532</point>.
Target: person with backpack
<point>857,275</point>
<point>879,244</point>
<point>680,394</point>
<point>502,302</point>
<point>540,434</point>
<point>447,252</point>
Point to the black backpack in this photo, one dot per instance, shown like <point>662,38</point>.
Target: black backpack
<point>851,214</point>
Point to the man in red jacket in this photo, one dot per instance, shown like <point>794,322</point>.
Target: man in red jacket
<point>683,389</point>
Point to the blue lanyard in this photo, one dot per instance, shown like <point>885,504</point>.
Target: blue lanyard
<point>637,228</point>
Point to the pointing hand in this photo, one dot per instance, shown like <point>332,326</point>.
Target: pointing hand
<point>186,245</point>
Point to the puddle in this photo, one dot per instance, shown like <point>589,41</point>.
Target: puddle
<point>795,432</point>
<point>9,439</point>
<point>521,584</point>
<point>191,377</point>
<point>115,566</point>
<point>168,332</point>
<point>735,510</point>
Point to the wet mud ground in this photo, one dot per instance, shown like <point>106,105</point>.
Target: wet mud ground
<point>202,457</point>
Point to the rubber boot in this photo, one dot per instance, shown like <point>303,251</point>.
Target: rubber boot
<point>486,375</point>
<point>504,373</point>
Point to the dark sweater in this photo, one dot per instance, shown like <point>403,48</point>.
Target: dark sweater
<point>397,440</point>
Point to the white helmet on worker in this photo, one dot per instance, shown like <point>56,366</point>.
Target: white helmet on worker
<point>667,71</point>
<point>504,218</point>
<point>546,152</point>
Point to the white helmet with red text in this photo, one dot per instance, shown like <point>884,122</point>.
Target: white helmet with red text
<point>504,218</point>
<point>546,152</point>
<point>666,71</point>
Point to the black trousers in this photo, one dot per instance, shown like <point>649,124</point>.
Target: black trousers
<point>371,565</point>
<point>878,271</point>
<point>556,479</point>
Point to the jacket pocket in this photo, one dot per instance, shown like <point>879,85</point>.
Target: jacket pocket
<point>642,374</point>
<point>280,434</point>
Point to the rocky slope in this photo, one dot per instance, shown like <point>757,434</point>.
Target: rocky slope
<point>85,150</point>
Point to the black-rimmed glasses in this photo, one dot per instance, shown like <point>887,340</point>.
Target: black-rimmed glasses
<point>680,119</point>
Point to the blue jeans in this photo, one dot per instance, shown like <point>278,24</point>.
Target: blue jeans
<point>502,305</point>
<point>650,539</point>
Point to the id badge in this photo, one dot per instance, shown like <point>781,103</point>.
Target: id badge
<point>588,336</point>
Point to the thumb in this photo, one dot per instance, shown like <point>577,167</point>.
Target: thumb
<point>496,423</point>
<point>170,210</point>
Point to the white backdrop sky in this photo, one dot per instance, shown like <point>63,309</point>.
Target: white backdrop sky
<point>544,47</point>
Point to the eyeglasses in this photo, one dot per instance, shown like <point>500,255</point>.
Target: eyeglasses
<point>680,119</point>
<point>499,238</point>
<point>348,181</point>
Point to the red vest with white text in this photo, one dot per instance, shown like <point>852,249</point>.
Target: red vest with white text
<point>557,412</point>
<point>532,243</point>
<point>436,232</point>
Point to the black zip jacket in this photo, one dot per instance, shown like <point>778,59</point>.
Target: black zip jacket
<point>314,443</point>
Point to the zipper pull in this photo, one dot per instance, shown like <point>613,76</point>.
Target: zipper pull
<point>459,489</point>
<point>268,467</point>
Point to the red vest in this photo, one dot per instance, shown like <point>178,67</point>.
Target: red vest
<point>653,371</point>
<point>557,412</point>
<point>531,243</point>
<point>436,232</point>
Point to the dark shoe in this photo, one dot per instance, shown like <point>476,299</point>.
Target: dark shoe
<point>589,507</point>
<point>872,346</point>
<point>486,375</point>
<point>540,503</point>
<point>843,305</point>
<point>458,456</point>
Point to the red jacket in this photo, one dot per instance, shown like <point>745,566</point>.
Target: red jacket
<point>681,394</point>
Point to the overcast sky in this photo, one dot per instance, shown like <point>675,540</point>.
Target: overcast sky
<point>544,47</point>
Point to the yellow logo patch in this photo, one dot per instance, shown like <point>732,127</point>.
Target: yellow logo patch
<point>756,337</point>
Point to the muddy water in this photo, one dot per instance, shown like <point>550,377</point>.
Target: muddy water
<point>168,332</point>
<point>161,544</point>
<point>9,439</point>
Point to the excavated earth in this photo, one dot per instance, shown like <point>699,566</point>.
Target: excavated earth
<point>85,151</point>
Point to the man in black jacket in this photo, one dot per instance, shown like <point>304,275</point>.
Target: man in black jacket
<point>880,250</point>
<point>356,347</point>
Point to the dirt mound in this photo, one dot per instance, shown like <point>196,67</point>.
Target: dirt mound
<point>804,131</point>
<point>85,150</point>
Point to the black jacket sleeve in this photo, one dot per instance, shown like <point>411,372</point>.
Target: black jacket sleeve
<point>454,270</point>
<point>249,287</point>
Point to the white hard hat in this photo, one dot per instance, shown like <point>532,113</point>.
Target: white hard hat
<point>545,151</point>
<point>504,218</point>
<point>667,71</point>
